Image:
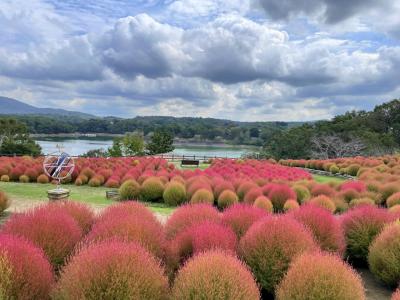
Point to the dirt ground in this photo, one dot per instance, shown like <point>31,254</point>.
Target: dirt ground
<point>374,289</point>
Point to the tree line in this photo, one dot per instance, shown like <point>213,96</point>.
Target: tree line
<point>198,129</point>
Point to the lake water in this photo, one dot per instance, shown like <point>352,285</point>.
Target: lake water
<point>79,146</point>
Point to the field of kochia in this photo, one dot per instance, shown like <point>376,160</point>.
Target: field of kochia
<point>242,229</point>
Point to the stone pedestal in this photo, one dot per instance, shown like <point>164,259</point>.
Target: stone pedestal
<point>58,194</point>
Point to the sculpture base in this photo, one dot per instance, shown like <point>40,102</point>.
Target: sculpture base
<point>58,194</point>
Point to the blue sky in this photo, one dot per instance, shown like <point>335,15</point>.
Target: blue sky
<point>245,60</point>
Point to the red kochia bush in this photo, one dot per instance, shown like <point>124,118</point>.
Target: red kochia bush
<point>25,272</point>
<point>271,244</point>
<point>361,225</point>
<point>123,222</point>
<point>188,215</point>
<point>252,195</point>
<point>278,195</point>
<point>56,232</point>
<point>241,216</point>
<point>316,276</point>
<point>81,213</point>
<point>199,238</point>
<point>358,186</point>
<point>396,295</point>
<point>393,200</point>
<point>215,275</point>
<point>322,189</point>
<point>202,196</point>
<point>112,270</point>
<point>384,255</point>
<point>324,226</point>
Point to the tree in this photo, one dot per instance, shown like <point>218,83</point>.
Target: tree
<point>334,146</point>
<point>129,145</point>
<point>96,153</point>
<point>15,139</point>
<point>161,142</point>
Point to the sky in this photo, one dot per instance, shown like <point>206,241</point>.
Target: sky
<point>245,60</point>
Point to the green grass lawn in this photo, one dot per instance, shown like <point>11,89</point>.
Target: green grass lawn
<point>202,166</point>
<point>35,191</point>
<point>326,179</point>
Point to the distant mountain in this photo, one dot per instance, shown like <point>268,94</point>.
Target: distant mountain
<point>9,106</point>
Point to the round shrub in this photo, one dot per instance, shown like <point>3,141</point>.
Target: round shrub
<point>202,196</point>
<point>78,181</point>
<point>25,272</point>
<point>112,183</point>
<point>291,205</point>
<point>24,179</point>
<point>112,270</point>
<point>129,190</point>
<point>43,179</point>
<point>188,215</point>
<point>128,226</point>
<point>264,203</point>
<point>244,188</point>
<point>324,202</point>
<point>389,189</point>
<point>348,195</point>
<point>361,201</point>
<point>94,182</point>
<point>4,202</point>
<point>361,225</point>
<point>81,213</point>
<point>227,198</point>
<point>199,238</point>
<point>302,192</point>
<point>322,189</point>
<point>222,186</point>
<point>357,186</point>
<point>252,195</point>
<point>215,275</point>
<point>4,178</point>
<point>270,245</point>
<point>279,194</point>
<point>324,226</point>
<point>152,189</point>
<point>174,193</point>
<point>241,216</point>
<point>56,232</point>
<point>315,276</point>
<point>393,200</point>
<point>334,169</point>
<point>395,210</point>
<point>384,255</point>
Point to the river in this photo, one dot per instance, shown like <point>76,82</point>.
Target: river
<point>79,146</point>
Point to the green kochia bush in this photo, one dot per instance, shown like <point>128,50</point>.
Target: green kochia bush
<point>227,198</point>
<point>112,270</point>
<point>174,193</point>
<point>152,189</point>
<point>270,245</point>
<point>129,190</point>
<point>384,255</point>
<point>215,275</point>
<point>317,276</point>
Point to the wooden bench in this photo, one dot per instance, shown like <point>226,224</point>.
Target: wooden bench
<point>190,162</point>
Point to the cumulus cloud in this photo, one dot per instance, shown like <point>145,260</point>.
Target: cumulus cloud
<point>223,62</point>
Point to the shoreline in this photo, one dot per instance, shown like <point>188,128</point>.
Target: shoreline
<point>177,141</point>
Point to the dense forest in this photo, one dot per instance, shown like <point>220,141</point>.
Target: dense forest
<point>199,129</point>
<point>376,132</point>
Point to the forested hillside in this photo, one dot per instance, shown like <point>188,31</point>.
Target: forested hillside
<point>355,133</point>
<point>199,129</point>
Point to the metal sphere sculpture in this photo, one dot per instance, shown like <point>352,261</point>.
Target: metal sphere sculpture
<point>58,165</point>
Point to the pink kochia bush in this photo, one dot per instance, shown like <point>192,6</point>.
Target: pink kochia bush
<point>81,213</point>
<point>279,194</point>
<point>324,226</point>
<point>25,272</point>
<point>396,295</point>
<point>188,215</point>
<point>316,276</point>
<point>384,255</point>
<point>269,246</point>
<point>215,275</point>
<point>361,225</point>
<point>55,231</point>
<point>241,216</point>
<point>199,238</point>
<point>112,270</point>
<point>129,221</point>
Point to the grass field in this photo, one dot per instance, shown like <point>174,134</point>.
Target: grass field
<point>34,191</point>
<point>326,179</point>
